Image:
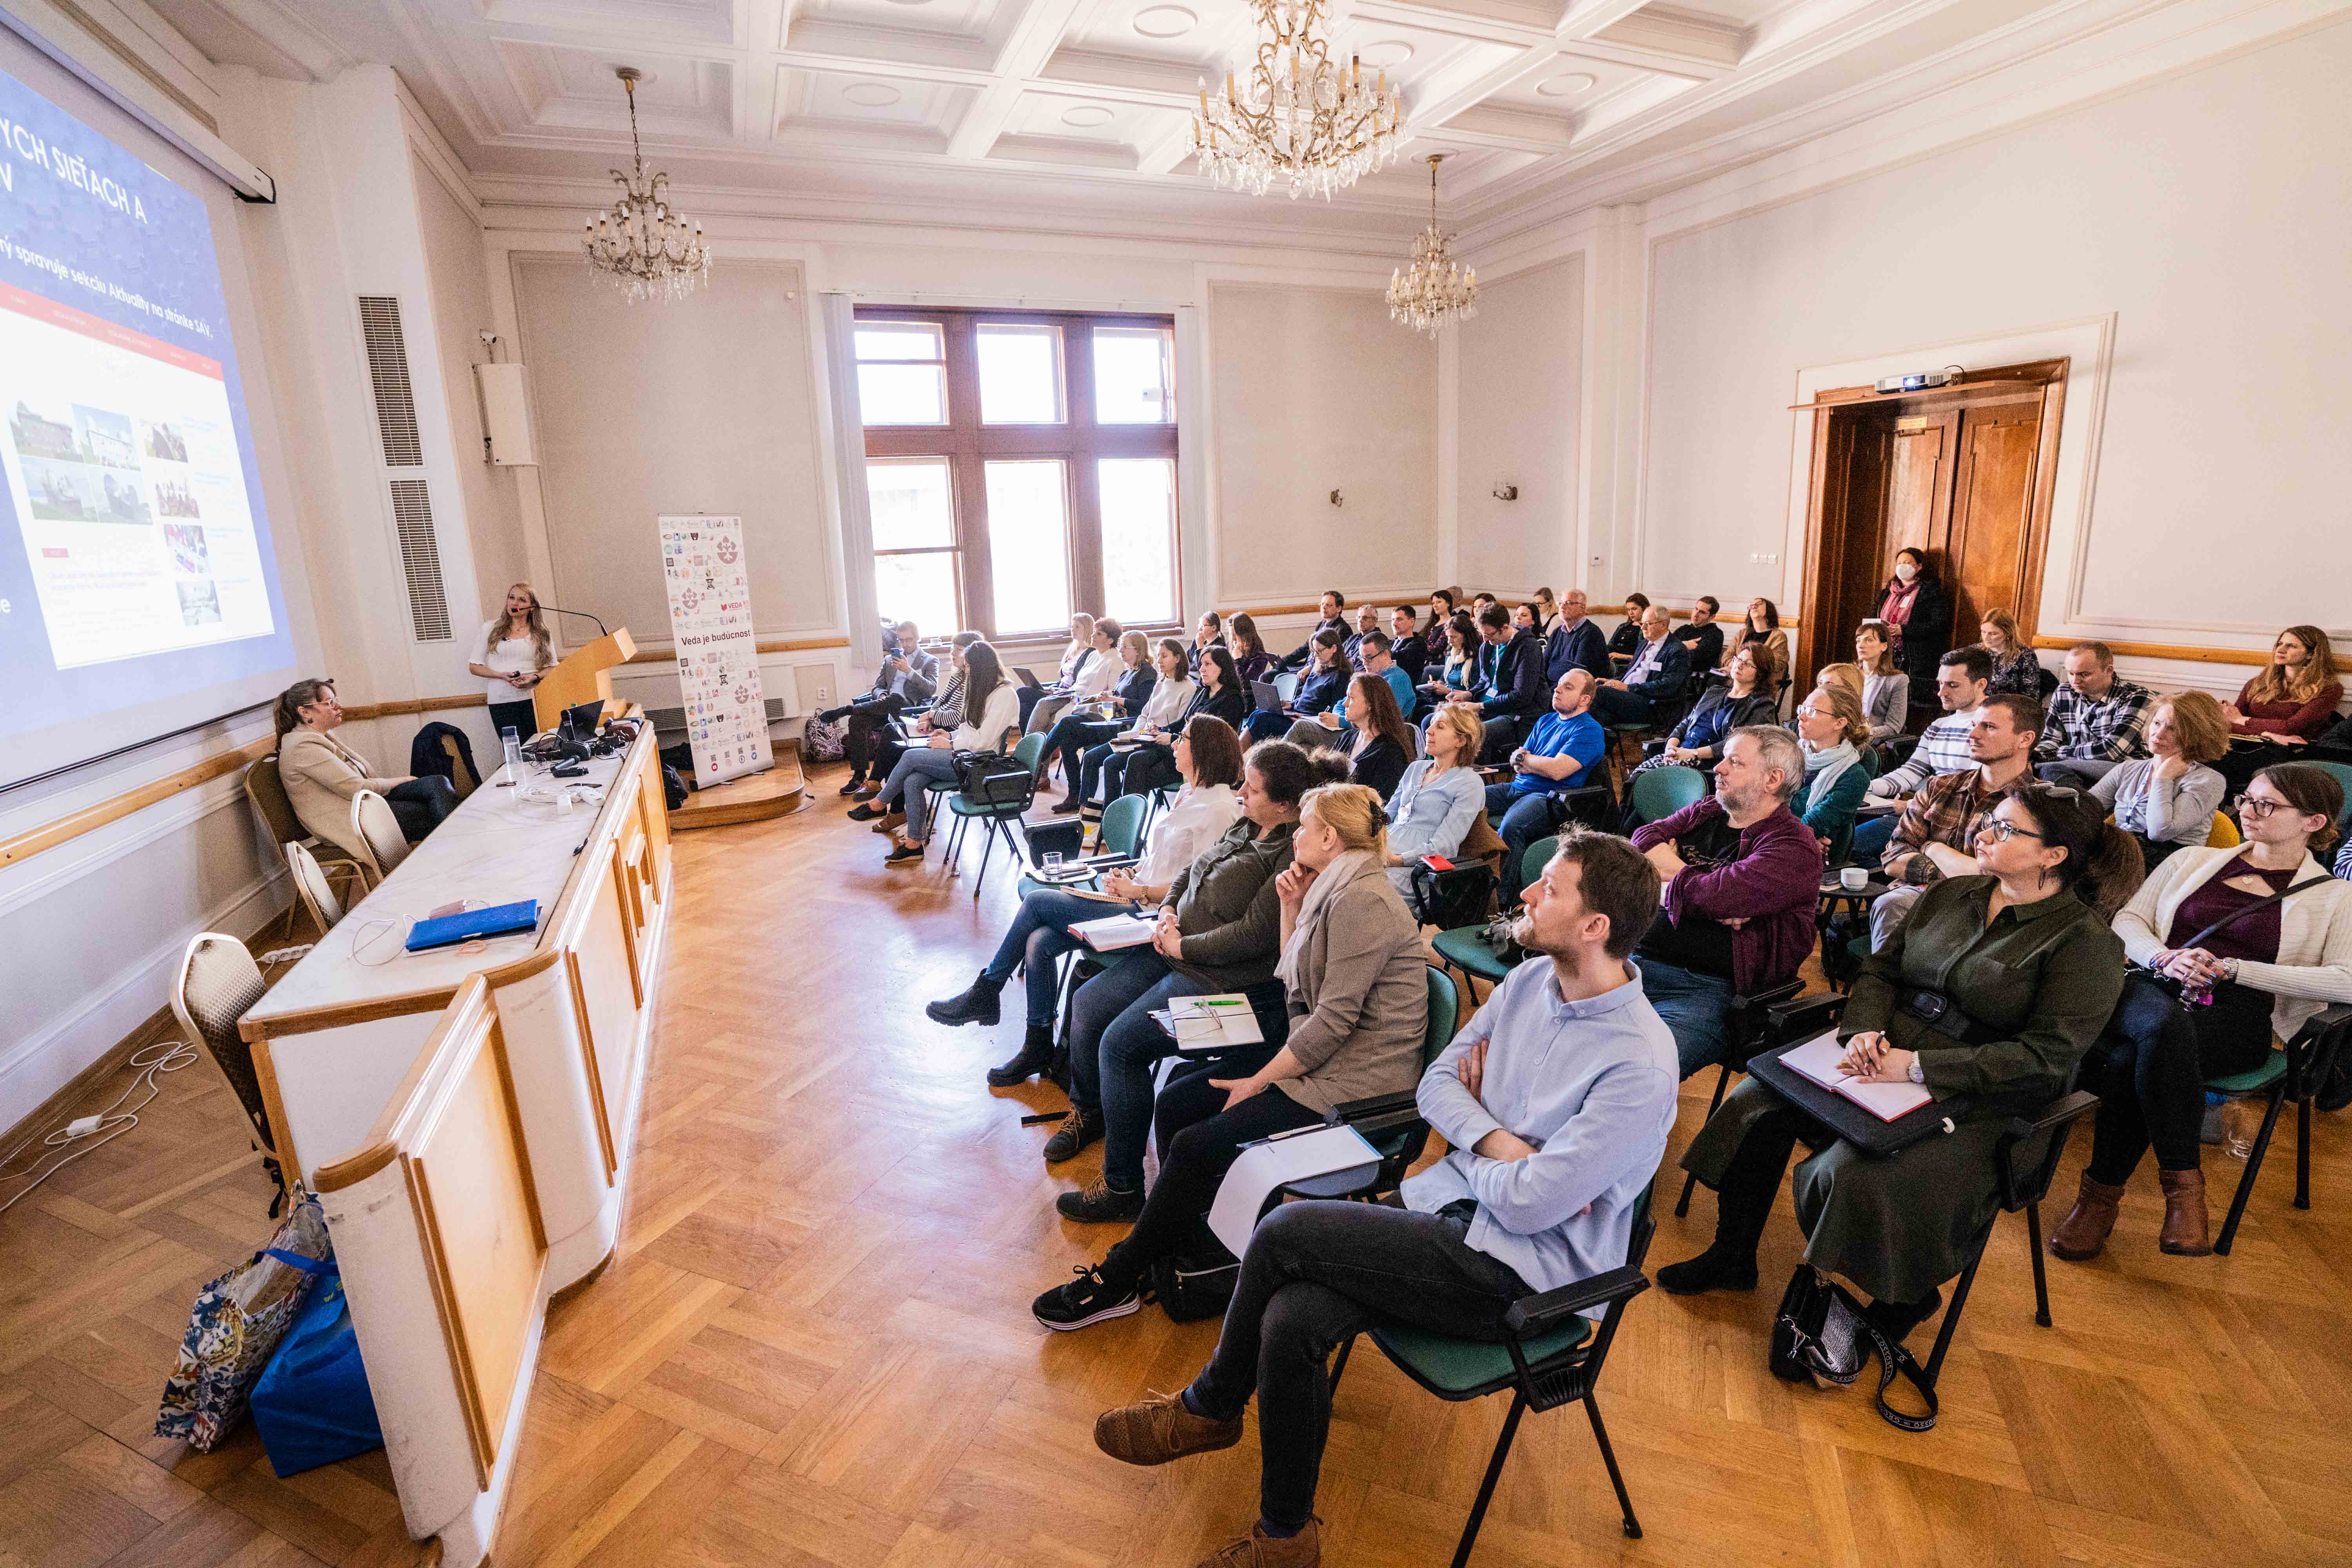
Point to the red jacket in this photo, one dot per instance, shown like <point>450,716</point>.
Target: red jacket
<point>1775,886</point>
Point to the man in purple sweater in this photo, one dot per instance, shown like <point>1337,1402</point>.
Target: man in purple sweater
<point>1742,880</point>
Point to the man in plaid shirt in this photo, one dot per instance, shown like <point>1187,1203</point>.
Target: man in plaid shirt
<point>2096,720</point>
<point>1938,836</point>
<point>1961,679</point>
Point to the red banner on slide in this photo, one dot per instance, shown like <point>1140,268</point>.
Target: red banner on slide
<point>41,309</point>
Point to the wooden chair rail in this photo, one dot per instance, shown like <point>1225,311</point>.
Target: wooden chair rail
<point>65,829</point>
<point>2256,657</point>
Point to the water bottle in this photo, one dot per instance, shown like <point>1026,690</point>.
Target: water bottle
<point>512,742</point>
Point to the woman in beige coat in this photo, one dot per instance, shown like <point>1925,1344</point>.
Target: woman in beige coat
<point>1352,963</point>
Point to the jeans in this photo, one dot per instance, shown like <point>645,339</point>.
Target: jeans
<point>1871,837</point>
<point>1695,1008</point>
<point>2149,1071</point>
<point>904,788</point>
<point>1612,706</point>
<point>421,804</point>
<point>867,720</point>
<point>1199,1142</point>
<point>1040,934</point>
<point>1110,766</point>
<point>1317,1273</point>
<point>1071,739</point>
<point>1528,815</point>
<point>1265,725</point>
<point>2079,772</point>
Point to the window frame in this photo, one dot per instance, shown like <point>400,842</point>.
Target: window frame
<point>1078,442</point>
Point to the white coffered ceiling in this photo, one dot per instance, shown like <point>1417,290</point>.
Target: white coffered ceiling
<point>1084,103</point>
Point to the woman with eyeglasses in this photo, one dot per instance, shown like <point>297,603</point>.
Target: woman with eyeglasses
<point>2228,964</point>
<point>1833,732</point>
<point>1989,996</point>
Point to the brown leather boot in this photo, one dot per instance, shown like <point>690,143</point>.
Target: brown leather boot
<point>2083,1234</point>
<point>2184,1234</point>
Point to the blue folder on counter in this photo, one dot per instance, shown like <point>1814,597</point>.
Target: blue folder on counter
<point>496,921</point>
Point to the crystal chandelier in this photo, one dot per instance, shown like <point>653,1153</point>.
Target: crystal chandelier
<point>640,243</point>
<point>1300,119</point>
<point>1435,289</point>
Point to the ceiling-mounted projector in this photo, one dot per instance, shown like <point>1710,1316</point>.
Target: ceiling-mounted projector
<point>1921,381</point>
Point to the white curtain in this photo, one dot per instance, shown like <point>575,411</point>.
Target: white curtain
<point>849,462</point>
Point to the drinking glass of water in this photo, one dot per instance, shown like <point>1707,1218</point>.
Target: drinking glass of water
<point>1052,865</point>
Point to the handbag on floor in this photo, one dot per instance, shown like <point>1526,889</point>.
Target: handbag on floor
<point>1190,1286</point>
<point>312,1405</point>
<point>1821,1335</point>
<point>235,1325</point>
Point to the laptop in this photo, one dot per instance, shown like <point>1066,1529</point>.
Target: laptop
<point>1269,701</point>
<point>1028,676</point>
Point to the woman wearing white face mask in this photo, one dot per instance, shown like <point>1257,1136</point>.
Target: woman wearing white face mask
<point>1919,609</point>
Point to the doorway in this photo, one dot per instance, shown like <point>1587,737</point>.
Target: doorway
<point>1963,473</point>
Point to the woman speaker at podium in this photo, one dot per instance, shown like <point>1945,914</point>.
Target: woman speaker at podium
<point>514,655</point>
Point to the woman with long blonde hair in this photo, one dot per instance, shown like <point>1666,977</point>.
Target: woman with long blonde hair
<point>515,653</point>
<point>1357,1004</point>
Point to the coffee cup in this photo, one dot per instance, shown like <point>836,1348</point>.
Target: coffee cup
<point>1854,879</point>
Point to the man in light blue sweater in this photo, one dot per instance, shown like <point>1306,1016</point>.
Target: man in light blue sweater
<point>1557,1098</point>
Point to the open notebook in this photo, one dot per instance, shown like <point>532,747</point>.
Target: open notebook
<point>1111,934</point>
<point>1818,1060</point>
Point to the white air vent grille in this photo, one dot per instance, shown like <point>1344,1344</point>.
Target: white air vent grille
<point>420,558</point>
<point>396,404</point>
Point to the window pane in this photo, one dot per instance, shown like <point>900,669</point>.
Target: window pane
<point>1020,374</point>
<point>918,588</point>
<point>898,340</point>
<point>1135,376</point>
<point>902,394</point>
<point>1029,545</point>
<point>1139,538</point>
<point>911,504</point>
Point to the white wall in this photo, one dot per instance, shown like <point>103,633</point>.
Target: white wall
<point>2205,215</point>
<point>1519,412</point>
<point>1313,390</point>
<point>451,235</point>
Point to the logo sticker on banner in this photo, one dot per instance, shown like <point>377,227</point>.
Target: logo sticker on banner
<point>717,658</point>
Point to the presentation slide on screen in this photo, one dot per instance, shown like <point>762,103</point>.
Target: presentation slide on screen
<point>135,561</point>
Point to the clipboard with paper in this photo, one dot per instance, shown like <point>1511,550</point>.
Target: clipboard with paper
<point>1214,1023</point>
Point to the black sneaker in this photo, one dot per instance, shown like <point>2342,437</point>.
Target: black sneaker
<point>865,812</point>
<point>1088,1299</point>
<point>1077,1130</point>
<point>1100,1204</point>
<point>854,786</point>
<point>976,1005</point>
<point>909,851</point>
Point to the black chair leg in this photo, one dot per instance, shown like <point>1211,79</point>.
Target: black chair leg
<point>2303,1152</point>
<point>1952,1318</point>
<point>1616,1477</point>
<point>987,850</point>
<point>2041,1279</point>
<point>1722,1078</point>
<point>1494,1473</point>
<point>1346,1349</point>
<point>2228,1236</point>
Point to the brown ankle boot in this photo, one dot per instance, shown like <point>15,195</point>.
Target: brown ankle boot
<point>2184,1234</point>
<point>2083,1234</point>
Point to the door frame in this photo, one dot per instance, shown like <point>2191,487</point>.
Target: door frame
<point>1837,414</point>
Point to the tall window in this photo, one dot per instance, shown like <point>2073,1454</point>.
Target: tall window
<point>1020,466</point>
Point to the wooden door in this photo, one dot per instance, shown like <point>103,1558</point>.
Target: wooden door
<point>1992,511</point>
<point>1917,481</point>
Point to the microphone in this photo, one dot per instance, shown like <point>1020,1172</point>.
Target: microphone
<point>555,610</point>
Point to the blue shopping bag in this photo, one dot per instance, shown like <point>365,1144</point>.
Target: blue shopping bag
<point>312,1405</point>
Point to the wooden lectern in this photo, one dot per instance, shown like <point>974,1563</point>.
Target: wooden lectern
<point>583,677</point>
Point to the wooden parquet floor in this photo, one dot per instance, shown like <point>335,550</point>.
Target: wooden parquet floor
<point>814,1348</point>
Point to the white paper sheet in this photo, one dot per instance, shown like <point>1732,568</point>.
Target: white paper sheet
<point>1263,1167</point>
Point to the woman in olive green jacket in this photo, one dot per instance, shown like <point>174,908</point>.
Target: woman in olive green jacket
<point>2029,973</point>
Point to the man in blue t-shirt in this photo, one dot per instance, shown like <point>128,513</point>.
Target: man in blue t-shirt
<point>1561,753</point>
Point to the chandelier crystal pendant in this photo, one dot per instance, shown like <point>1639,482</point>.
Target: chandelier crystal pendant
<point>1434,289</point>
<point>640,242</point>
<point>1301,118</point>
